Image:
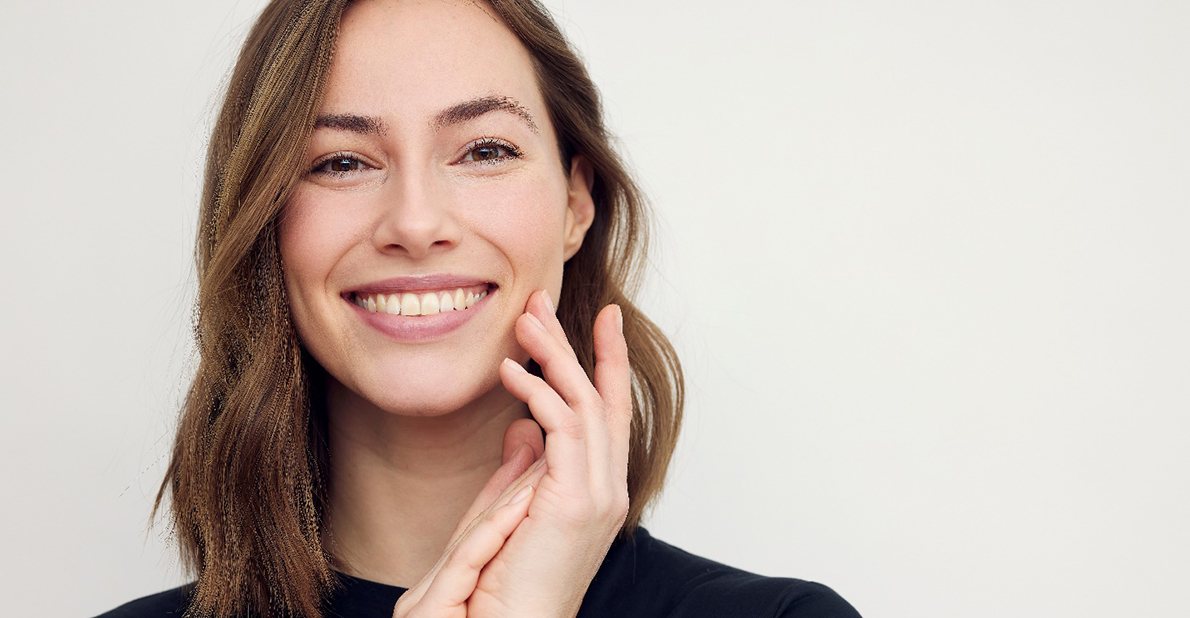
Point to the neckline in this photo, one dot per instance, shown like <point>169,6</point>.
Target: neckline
<point>367,583</point>
<point>638,534</point>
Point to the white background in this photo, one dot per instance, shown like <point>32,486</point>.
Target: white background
<point>926,264</point>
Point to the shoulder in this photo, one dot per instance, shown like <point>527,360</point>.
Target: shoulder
<point>644,576</point>
<point>172,602</point>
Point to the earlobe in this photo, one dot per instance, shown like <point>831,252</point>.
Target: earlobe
<point>580,207</point>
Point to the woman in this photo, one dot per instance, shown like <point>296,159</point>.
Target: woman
<point>396,191</point>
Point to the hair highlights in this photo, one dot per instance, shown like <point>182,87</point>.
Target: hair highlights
<point>249,468</point>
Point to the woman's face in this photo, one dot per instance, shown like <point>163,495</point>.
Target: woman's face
<point>433,155</point>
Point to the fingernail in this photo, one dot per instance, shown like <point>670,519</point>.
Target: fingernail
<point>548,303</point>
<point>620,318</point>
<point>512,363</point>
<point>522,494</point>
<point>536,322</point>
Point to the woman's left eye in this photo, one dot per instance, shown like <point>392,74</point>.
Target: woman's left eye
<point>490,150</point>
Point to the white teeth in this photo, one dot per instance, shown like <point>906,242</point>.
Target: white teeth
<point>411,304</point>
<point>429,304</point>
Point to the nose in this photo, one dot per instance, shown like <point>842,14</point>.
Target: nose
<point>416,216</point>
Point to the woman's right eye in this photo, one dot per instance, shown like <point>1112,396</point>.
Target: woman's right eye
<point>338,165</point>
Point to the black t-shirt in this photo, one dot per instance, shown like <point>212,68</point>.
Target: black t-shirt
<point>640,577</point>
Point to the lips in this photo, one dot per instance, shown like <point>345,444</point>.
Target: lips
<point>419,284</point>
<point>393,306</point>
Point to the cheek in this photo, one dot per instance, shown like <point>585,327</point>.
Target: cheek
<point>523,218</point>
<point>311,241</point>
<point>317,228</point>
<point>313,231</point>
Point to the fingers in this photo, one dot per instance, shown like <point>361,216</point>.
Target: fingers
<point>515,465</point>
<point>523,445</point>
<point>573,441</point>
<point>542,336</point>
<point>547,313</point>
<point>446,588</point>
<point>610,389</point>
<point>532,476</point>
<point>611,351</point>
<point>551,412</point>
<point>613,372</point>
<point>523,432</point>
<point>588,421</point>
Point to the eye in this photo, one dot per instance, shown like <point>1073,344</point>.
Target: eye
<point>490,150</point>
<point>338,165</point>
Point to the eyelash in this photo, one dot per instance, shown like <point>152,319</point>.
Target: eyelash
<point>483,142</point>
<point>338,156</point>
<point>513,151</point>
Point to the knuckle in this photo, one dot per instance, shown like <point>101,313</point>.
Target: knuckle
<point>540,401</point>
<point>579,517</point>
<point>596,403</point>
<point>572,427</point>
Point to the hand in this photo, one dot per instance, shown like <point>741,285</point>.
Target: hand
<point>548,560</point>
<point>548,570</point>
<point>498,509</point>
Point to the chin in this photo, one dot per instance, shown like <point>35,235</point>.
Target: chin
<point>430,393</point>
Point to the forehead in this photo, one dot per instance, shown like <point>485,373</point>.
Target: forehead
<point>413,58</point>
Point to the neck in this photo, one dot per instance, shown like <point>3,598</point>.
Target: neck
<point>399,484</point>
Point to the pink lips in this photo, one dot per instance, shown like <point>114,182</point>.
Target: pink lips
<point>418,328</point>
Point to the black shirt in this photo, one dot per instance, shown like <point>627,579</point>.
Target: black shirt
<point>640,577</point>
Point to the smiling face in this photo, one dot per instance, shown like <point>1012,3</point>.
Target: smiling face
<point>433,155</point>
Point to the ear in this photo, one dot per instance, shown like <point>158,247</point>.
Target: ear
<point>580,207</point>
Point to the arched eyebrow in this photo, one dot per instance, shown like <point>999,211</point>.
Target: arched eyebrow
<point>455,114</point>
<point>474,108</point>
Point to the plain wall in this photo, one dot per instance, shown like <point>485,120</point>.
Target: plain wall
<point>926,264</point>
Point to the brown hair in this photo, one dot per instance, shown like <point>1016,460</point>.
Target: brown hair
<point>249,469</point>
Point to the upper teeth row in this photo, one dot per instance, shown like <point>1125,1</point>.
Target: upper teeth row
<point>419,304</point>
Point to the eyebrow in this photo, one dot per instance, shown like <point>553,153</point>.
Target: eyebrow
<point>364,125</point>
<point>455,114</point>
<point>469,110</point>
